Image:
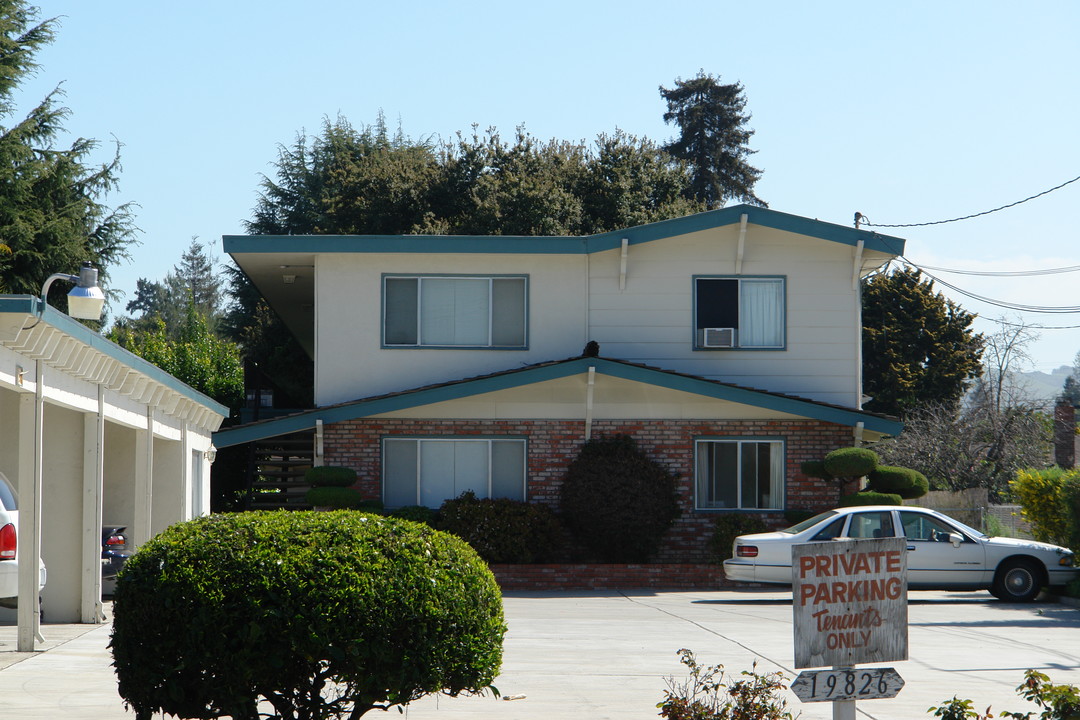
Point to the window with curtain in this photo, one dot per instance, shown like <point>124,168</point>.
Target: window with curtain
<point>448,312</point>
<point>429,471</point>
<point>739,474</point>
<point>739,313</point>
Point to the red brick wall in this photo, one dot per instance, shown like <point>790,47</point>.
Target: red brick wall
<point>553,444</point>
<point>656,576</point>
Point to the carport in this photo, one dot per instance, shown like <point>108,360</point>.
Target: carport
<point>90,433</point>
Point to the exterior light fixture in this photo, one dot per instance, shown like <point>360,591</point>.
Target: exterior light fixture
<point>210,454</point>
<point>85,301</point>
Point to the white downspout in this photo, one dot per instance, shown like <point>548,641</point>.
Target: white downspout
<point>589,402</point>
<point>319,461</point>
<point>742,243</point>
<point>622,263</point>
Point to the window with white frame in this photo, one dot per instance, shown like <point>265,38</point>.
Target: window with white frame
<point>739,312</point>
<point>429,471</point>
<point>739,474</point>
<point>454,311</point>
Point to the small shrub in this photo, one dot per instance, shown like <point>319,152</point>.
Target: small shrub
<point>815,469</point>
<point>416,513</point>
<point>617,501</point>
<point>335,497</point>
<point>330,476</point>
<point>1058,702</point>
<point>902,481</point>
<point>728,527</point>
<point>1044,498</point>
<point>794,516</point>
<point>851,462</point>
<point>503,530</point>
<point>870,498</point>
<point>706,696</point>
<point>322,615</point>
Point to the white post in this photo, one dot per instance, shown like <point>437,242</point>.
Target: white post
<point>90,608</point>
<point>843,709</point>
<point>31,456</point>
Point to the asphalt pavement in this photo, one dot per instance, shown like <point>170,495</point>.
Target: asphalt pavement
<point>606,654</point>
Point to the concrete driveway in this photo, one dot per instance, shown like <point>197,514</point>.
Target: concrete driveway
<point>605,654</point>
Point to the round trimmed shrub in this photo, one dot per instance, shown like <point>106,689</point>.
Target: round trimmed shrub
<point>503,530</point>
<point>330,476</point>
<point>905,482</point>
<point>814,469</point>
<point>321,614</point>
<point>335,497</point>
<point>870,498</point>
<point>617,501</point>
<point>851,462</point>
<point>730,526</point>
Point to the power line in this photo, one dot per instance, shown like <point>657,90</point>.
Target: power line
<point>861,219</point>
<point>1014,273</point>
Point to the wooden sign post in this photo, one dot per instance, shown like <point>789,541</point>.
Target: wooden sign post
<point>850,606</point>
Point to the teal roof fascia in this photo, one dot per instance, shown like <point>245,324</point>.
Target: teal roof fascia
<point>28,304</point>
<point>561,245</point>
<point>553,371</point>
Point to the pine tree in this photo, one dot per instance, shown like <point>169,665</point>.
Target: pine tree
<point>51,212</point>
<point>918,346</point>
<point>713,138</point>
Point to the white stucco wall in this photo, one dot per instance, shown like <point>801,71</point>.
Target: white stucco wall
<point>577,298</point>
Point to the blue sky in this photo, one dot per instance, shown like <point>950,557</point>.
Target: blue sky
<point>906,112</point>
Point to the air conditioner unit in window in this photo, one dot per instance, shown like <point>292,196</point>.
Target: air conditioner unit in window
<point>718,337</point>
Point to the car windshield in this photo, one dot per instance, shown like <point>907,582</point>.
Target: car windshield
<point>968,529</point>
<point>808,523</point>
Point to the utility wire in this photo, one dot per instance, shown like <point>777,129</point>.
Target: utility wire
<point>1015,273</point>
<point>864,221</point>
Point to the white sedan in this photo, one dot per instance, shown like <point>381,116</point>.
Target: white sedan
<point>943,554</point>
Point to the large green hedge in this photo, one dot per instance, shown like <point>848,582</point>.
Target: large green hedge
<point>321,615</point>
<point>503,530</point>
<point>617,501</point>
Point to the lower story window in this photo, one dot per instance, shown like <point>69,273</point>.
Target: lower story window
<point>739,474</point>
<point>422,471</point>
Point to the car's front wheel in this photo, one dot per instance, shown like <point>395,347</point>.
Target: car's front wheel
<point>1017,581</point>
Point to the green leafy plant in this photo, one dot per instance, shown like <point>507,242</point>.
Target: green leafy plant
<point>886,484</point>
<point>617,501</point>
<point>851,462</point>
<point>416,513</point>
<point>1050,500</point>
<point>704,695</point>
<point>503,530</point>
<point>1058,702</point>
<point>332,487</point>
<point>868,497</point>
<point>317,615</point>
<point>957,709</point>
<point>728,527</point>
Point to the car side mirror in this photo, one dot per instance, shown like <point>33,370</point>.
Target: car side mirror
<point>955,539</point>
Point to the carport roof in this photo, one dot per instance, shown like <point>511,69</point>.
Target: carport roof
<point>540,372</point>
<point>75,349</point>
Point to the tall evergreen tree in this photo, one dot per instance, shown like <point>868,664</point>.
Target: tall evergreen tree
<point>713,138</point>
<point>52,217</point>
<point>918,346</point>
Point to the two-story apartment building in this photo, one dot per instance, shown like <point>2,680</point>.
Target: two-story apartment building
<point>726,343</point>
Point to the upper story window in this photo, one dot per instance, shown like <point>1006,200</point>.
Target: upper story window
<point>739,312</point>
<point>454,311</point>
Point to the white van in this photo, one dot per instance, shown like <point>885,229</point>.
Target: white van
<point>9,542</point>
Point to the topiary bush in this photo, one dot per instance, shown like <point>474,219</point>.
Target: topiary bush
<point>815,469</point>
<point>617,501</point>
<point>905,482</point>
<point>320,615</point>
<point>870,498</point>
<point>330,476</point>
<point>728,527</point>
<point>851,462</point>
<point>503,530</point>
<point>331,487</point>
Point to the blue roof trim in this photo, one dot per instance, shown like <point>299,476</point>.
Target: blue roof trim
<point>561,245</point>
<point>28,304</point>
<point>542,373</point>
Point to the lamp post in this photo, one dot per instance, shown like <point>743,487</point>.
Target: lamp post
<point>85,301</point>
